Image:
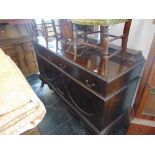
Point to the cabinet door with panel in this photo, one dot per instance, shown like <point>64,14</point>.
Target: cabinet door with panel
<point>16,38</point>
<point>16,54</point>
<point>148,100</point>
<point>144,120</point>
<point>30,57</point>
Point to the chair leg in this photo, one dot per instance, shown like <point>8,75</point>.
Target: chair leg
<point>85,31</point>
<point>105,45</point>
<point>75,44</point>
<point>46,42</point>
<point>106,65</point>
<point>56,44</point>
<point>103,66</point>
<point>105,39</point>
<point>126,34</point>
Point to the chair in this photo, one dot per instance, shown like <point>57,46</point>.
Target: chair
<point>104,31</point>
<point>103,46</point>
<point>47,31</point>
<point>67,36</point>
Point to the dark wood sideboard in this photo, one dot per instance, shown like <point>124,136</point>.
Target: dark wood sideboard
<point>99,100</point>
<point>16,40</point>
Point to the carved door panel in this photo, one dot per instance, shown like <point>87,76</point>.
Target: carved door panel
<point>16,54</point>
<point>149,94</point>
<point>30,57</point>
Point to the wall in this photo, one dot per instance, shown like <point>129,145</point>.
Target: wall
<point>141,34</point>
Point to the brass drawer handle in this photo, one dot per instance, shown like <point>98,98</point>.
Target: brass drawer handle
<point>62,66</point>
<point>90,85</point>
<point>50,58</point>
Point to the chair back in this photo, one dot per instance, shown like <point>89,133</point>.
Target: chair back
<point>66,29</point>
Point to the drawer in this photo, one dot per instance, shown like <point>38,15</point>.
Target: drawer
<point>100,86</point>
<point>85,78</point>
<point>91,81</point>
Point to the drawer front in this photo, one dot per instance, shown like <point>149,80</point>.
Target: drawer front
<point>91,81</point>
<point>96,84</point>
<point>87,79</point>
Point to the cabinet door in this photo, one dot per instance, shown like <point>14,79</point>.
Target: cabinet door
<point>30,57</point>
<point>149,94</point>
<point>16,54</point>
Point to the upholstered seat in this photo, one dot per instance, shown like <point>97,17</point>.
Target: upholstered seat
<point>103,22</point>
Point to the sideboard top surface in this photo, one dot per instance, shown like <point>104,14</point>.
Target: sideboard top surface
<point>90,61</point>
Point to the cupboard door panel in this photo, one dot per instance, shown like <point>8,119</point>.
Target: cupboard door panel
<point>30,57</point>
<point>16,54</point>
<point>149,94</point>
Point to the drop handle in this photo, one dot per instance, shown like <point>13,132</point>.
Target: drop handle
<point>93,85</point>
<point>86,81</point>
<point>62,66</point>
<point>90,85</point>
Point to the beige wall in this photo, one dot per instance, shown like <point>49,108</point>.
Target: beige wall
<point>141,34</point>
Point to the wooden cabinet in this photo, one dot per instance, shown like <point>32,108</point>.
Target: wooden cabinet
<point>16,55</point>
<point>102,106</point>
<point>143,121</point>
<point>16,40</point>
<point>149,94</point>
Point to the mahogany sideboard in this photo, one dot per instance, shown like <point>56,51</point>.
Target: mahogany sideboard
<point>99,100</point>
<point>16,37</point>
